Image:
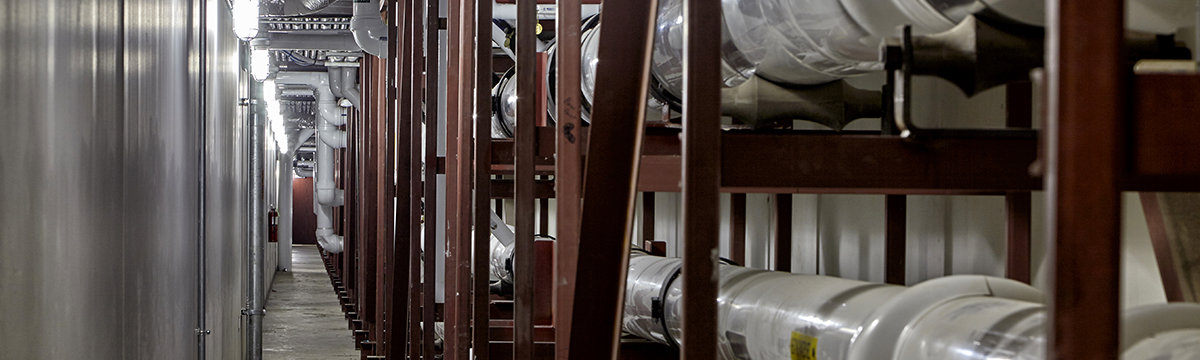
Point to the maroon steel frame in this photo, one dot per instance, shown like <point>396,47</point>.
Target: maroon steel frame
<point>1108,131</point>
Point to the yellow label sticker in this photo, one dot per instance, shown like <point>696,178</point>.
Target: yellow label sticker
<point>803,347</point>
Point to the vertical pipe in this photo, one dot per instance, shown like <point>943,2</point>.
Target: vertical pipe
<point>285,212</point>
<point>525,142</point>
<point>201,10</point>
<point>701,177</point>
<point>1087,81</point>
<point>256,240</point>
<point>483,139</point>
<point>612,163</point>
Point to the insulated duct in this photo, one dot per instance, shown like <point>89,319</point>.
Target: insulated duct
<point>772,315</point>
<point>776,315</point>
<point>301,7</point>
<point>800,43</point>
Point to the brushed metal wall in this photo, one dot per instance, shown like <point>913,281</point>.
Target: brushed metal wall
<point>98,181</point>
<point>228,218</point>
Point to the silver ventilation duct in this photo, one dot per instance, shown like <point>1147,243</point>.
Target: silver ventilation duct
<point>306,7</point>
<point>776,315</point>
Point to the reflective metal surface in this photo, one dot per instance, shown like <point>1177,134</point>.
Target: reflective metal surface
<point>98,181</point>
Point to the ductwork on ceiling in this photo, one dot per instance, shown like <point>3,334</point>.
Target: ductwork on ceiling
<point>306,7</point>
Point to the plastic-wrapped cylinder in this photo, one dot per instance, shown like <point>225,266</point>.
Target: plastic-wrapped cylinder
<point>504,106</point>
<point>499,260</point>
<point>759,312</point>
<point>977,328</point>
<point>1171,345</point>
<point>666,60</point>
<point>775,315</point>
<point>643,285</point>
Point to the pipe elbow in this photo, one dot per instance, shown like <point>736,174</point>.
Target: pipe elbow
<point>334,138</point>
<point>368,28</point>
<point>328,241</point>
<point>335,81</point>
<point>331,114</point>
<point>350,91</point>
<point>331,196</point>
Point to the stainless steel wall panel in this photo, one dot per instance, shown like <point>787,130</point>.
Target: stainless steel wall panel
<point>159,183</point>
<point>61,180</point>
<point>98,181</point>
<point>226,195</point>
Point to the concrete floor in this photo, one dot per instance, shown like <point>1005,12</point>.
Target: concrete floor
<point>304,319</point>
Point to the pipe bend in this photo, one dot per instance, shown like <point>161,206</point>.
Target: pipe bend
<point>350,88</point>
<point>330,196</point>
<point>334,138</point>
<point>329,113</point>
<point>330,242</point>
<point>368,28</point>
<point>335,81</point>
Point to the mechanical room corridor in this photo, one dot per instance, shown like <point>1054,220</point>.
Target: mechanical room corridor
<point>600,179</point>
<point>304,318</point>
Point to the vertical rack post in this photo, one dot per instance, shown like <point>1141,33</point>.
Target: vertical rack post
<point>401,189</point>
<point>524,258</point>
<point>568,171</point>
<point>606,218</point>
<point>429,309</point>
<point>462,186</point>
<point>410,112</point>
<point>701,177</point>
<point>483,138</point>
<point>783,232</point>
<point>413,112</point>
<point>1086,88</point>
<point>737,228</point>
<point>648,220</point>
<point>1018,99</point>
<point>895,234</point>
<point>451,224</point>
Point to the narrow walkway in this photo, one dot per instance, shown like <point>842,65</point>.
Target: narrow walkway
<point>304,319</point>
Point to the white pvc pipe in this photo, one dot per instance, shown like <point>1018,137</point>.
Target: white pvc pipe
<point>350,86</point>
<point>335,82</point>
<point>329,117</point>
<point>370,32</point>
<point>284,234</point>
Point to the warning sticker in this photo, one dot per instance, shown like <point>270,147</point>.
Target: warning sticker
<point>803,347</point>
